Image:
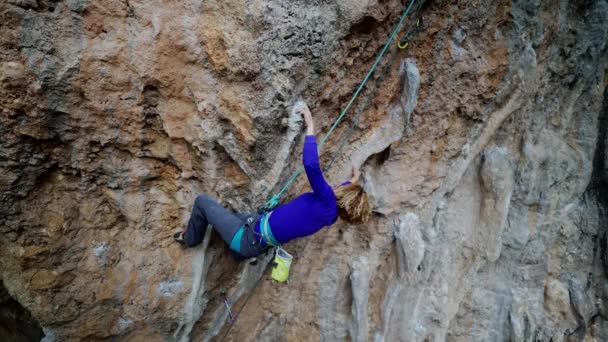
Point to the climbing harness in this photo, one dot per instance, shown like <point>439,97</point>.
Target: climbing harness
<point>235,243</point>
<point>282,259</point>
<point>266,231</point>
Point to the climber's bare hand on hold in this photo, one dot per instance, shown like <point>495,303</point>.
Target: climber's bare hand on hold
<point>302,108</point>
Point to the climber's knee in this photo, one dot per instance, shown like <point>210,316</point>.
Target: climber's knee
<point>201,200</point>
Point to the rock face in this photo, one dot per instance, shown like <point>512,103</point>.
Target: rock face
<point>483,150</point>
<point>16,323</point>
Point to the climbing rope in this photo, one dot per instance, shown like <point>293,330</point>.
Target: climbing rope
<point>234,316</point>
<point>274,200</point>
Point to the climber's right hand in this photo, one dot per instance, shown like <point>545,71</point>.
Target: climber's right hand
<point>302,108</point>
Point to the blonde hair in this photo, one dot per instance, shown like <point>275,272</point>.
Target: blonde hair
<point>353,205</point>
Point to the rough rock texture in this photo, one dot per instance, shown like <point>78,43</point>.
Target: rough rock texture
<point>483,151</point>
<point>16,323</point>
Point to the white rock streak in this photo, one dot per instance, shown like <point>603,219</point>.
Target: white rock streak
<point>194,306</point>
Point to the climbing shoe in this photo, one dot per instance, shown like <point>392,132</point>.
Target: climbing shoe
<point>179,238</point>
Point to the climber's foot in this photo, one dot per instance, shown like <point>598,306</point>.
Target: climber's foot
<point>179,238</point>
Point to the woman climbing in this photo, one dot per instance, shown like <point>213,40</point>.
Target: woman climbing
<point>251,235</point>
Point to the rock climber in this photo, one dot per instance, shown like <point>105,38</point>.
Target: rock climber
<point>251,235</point>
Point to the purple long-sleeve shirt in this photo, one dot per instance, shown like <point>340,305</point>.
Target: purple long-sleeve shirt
<point>311,211</point>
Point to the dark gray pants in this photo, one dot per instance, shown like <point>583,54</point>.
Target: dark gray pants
<point>207,211</point>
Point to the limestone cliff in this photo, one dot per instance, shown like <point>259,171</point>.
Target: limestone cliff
<point>483,151</point>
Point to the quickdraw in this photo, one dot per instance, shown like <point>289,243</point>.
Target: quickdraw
<point>405,41</point>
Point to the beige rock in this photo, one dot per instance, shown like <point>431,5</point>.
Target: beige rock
<point>557,300</point>
<point>44,279</point>
<point>13,74</point>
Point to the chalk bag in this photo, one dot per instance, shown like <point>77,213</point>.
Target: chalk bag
<point>282,263</point>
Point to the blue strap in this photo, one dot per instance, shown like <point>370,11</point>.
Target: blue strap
<point>267,232</point>
<point>235,244</point>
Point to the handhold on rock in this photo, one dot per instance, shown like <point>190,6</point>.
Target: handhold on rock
<point>12,73</point>
<point>24,3</point>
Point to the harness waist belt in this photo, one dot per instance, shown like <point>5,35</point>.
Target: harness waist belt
<point>267,232</point>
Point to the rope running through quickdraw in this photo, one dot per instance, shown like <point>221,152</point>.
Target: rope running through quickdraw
<point>415,24</point>
<point>275,198</point>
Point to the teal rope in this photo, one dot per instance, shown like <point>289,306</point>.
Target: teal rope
<point>274,201</point>
<point>406,36</point>
<point>369,73</point>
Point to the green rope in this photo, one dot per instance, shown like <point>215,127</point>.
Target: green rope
<point>274,201</point>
